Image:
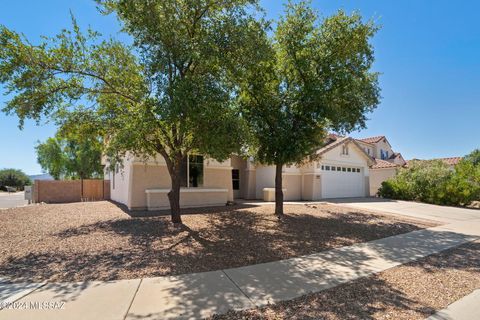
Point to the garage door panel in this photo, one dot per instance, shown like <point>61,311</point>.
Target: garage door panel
<point>341,184</point>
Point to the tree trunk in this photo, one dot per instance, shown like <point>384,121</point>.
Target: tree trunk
<point>278,190</point>
<point>174,198</point>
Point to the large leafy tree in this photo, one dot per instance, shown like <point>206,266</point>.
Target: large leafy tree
<point>71,157</point>
<point>51,157</point>
<point>13,178</point>
<point>314,76</point>
<point>171,93</point>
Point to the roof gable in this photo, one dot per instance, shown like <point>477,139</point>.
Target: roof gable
<point>346,140</point>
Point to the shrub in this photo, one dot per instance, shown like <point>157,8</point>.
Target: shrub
<point>464,186</point>
<point>421,181</point>
<point>13,178</point>
<point>434,182</point>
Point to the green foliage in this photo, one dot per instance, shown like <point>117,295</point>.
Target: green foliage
<point>473,157</point>
<point>314,76</point>
<point>464,187</point>
<point>72,157</point>
<point>51,157</point>
<point>13,178</point>
<point>171,93</point>
<point>434,182</point>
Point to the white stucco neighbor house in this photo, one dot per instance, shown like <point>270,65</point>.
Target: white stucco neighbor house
<point>387,161</point>
<point>345,167</point>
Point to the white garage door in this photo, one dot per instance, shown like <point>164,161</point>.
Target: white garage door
<point>342,182</point>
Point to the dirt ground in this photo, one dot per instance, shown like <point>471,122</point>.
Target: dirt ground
<point>100,241</point>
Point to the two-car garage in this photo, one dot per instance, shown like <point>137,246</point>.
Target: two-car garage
<point>343,169</point>
<point>342,181</point>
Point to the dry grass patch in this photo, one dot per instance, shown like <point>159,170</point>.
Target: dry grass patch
<point>99,241</point>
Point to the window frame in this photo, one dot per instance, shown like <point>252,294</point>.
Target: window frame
<point>237,179</point>
<point>186,180</point>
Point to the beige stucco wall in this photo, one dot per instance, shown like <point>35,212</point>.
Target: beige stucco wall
<point>189,198</point>
<point>293,185</point>
<point>291,181</point>
<point>156,176</point>
<point>250,184</point>
<point>367,186</point>
<point>312,187</point>
<point>382,145</point>
<point>377,176</point>
<point>307,189</point>
<point>218,178</point>
<point>265,178</point>
<point>369,149</point>
<point>144,177</point>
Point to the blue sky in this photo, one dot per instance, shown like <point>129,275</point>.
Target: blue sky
<point>427,51</point>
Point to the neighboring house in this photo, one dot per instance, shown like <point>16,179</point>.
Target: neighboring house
<point>387,161</point>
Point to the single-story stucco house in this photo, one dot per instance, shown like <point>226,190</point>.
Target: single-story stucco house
<point>344,168</point>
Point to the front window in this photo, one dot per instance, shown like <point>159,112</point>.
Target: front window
<point>195,171</point>
<point>236,179</point>
<point>191,172</point>
<point>383,154</point>
<point>345,150</point>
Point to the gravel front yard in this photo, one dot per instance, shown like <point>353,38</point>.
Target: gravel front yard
<point>412,291</point>
<point>99,241</point>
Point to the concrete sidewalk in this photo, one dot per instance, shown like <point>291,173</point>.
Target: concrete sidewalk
<point>467,308</point>
<point>199,295</point>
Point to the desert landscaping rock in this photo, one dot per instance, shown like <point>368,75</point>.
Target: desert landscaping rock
<point>412,291</point>
<point>100,241</point>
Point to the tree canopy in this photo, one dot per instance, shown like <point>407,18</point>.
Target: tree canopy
<point>170,93</point>
<point>13,178</point>
<point>71,158</point>
<point>201,77</point>
<point>473,157</point>
<point>314,76</point>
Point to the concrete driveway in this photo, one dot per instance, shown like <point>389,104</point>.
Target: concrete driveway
<point>12,200</point>
<point>413,209</point>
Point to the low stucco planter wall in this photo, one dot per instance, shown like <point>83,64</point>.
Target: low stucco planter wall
<point>157,199</point>
<point>269,194</point>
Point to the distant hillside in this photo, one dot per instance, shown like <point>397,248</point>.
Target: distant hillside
<point>44,176</point>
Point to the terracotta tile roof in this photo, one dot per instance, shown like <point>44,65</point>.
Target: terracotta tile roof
<point>452,161</point>
<point>382,164</point>
<point>333,136</point>
<point>372,139</point>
